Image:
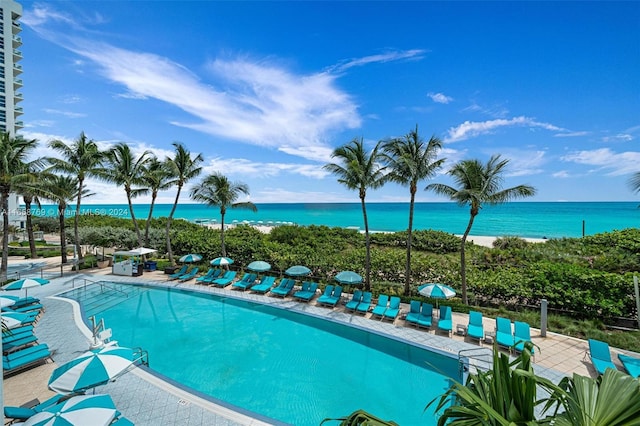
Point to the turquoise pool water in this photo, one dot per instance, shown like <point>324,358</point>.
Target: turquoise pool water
<point>284,365</point>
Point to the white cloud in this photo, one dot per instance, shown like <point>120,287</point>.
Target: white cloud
<point>440,98</point>
<point>571,134</point>
<point>413,54</point>
<point>470,129</point>
<point>561,174</point>
<point>620,137</point>
<point>614,163</point>
<point>496,111</point>
<point>68,114</point>
<point>248,168</point>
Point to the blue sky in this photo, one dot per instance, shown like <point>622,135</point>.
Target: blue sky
<point>266,90</point>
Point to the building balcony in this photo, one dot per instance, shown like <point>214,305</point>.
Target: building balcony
<point>17,97</point>
<point>17,55</point>
<point>16,27</point>
<point>18,111</point>
<point>17,41</point>
<point>19,124</point>
<point>17,82</point>
<point>17,69</point>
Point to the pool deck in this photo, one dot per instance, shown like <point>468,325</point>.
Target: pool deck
<point>148,400</point>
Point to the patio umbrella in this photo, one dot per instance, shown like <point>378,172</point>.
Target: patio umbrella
<point>348,277</point>
<point>91,369</point>
<point>436,291</point>
<point>221,261</point>
<point>14,319</point>
<point>298,271</point>
<point>95,410</point>
<point>190,258</point>
<point>259,266</point>
<point>26,283</point>
<point>6,300</point>
<point>142,251</point>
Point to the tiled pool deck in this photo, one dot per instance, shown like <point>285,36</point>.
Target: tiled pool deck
<point>147,400</point>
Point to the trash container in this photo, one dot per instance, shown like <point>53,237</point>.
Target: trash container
<point>150,265</point>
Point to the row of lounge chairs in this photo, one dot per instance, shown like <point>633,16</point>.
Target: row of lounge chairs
<point>511,338</point>
<point>600,355</point>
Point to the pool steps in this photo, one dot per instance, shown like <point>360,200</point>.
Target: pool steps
<point>100,296</point>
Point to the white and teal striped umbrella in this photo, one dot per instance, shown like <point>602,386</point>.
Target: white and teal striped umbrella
<point>436,291</point>
<point>94,410</point>
<point>221,261</point>
<point>15,319</point>
<point>7,300</point>
<point>26,283</point>
<point>190,258</point>
<point>91,369</point>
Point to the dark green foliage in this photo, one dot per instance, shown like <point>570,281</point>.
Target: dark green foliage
<point>505,243</point>
<point>48,225</point>
<point>425,240</point>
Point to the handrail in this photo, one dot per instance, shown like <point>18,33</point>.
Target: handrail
<point>102,284</point>
<point>482,359</point>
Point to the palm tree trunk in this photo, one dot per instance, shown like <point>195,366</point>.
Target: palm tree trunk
<point>169,219</point>
<point>76,220</point>
<point>29,225</point>
<point>463,264</point>
<point>407,282</point>
<point>5,235</point>
<point>133,218</point>
<point>63,235</point>
<point>367,261</point>
<point>224,250</point>
<point>154,194</point>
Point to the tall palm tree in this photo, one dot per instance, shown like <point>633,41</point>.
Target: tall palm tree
<point>122,168</point>
<point>478,184</point>
<point>217,190</point>
<point>359,170</point>
<point>156,177</point>
<point>410,159</point>
<point>634,182</point>
<point>29,189</point>
<point>61,189</point>
<point>81,159</point>
<point>182,168</point>
<point>13,158</point>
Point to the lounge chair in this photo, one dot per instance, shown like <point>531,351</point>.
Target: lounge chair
<point>24,412</point>
<point>381,306</point>
<point>178,274</point>
<point>284,288</point>
<point>26,301</point>
<point>425,319</point>
<point>504,334</point>
<point>522,334</point>
<point>206,276</point>
<point>445,323</point>
<point>264,285</point>
<point>246,282</point>
<point>225,280</point>
<point>217,273</point>
<point>393,310</point>
<point>27,309</point>
<point>326,295</point>
<point>308,291</point>
<point>631,364</point>
<point>352,304</point>
<point>365,303</point>
<point>600,356</point>
<point>333,299</point>
<point>17,342</point>
<point>475,329</point>
<point>189,275</point>
<point>414,312</point>
<point>24,358</point>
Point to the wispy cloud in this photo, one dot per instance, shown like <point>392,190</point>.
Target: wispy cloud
<point>524,162</point>
<point>470,129</point>
<point>620,137</point>
<point>615,163</point>
<point>562,174</point>
<point>495,111</point>
<point>68,114</point>
<point>571,134</point>
<point>440,98</point>
<point>390,56</point>
<point>247,168</point>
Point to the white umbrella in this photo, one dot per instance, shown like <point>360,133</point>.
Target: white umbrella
<point>7,300</point>
<point>94,410</point>
<point>26,283</point>
<point>221,261</point>
<point>190,258</point>
<point>142,251</point>
<point>14,319</point>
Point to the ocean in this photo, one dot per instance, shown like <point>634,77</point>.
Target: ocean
<point>523,219</point>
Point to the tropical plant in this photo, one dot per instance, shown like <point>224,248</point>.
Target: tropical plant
<point>13,159</point>
<point>81,159</point>
<point>359,170</point>
<point>410,159</point>
<point>29,189</point>
<point>61,189</point>
<point>361,418</point>
<point>634,182</point>
<point>478,184</point>
<point>217,190</point>
<point>123,168</point>
<point>182,168</point>
<point>156,178</point>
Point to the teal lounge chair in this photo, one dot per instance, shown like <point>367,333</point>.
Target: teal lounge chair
<point>475,329</point>
<point>414,312</point>
<point>445,323</point>
<point>365,303</point>
<point>522,334</point>
<point>631,364</point>
<point>426,315</point>
<point>326,295</point>
<point>600,356</point>
<point>504,334</point>
<point>246,282</point>
<point>225,280</point>
<point>264,285</point>
<point>24,358</point>
<point>23,413</point>
<point>189,275</point>
<point>333,299</point>
<point>217,273</point>
<point>352,304</point>
<point>308,291</point>
<point>18,342</point>
<point>178,274</point>
<point>393,310</point>
<point>381,306</point>
<point>284,289</point>
<point>206,276</point>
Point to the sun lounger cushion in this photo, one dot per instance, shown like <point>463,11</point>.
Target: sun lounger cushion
<point>414,312</point>
<point>225,280</point>
<point>16,344</point>
<point>504,334</point>
<point>631,364</point>
<point>381,306</point>
<point>600,356</point>
<point>326,296</point>
<point>26,301</point>
<point>188,276</point>
<point>475,329</point>
<point>246,282</point>
<point>206,276</point>
<point>444,321</point>
<point>25,357</point>
<point>365,303</point>
<point>178,274</point>
<point>24,309</point>
<point>265,284</point>
<point>352,304</point>
<point>307,293</point>
<point>425,318</point>
<point>284,288</point>
<point>522,334</point>
<point>23,413</point>
<point>393,310</point>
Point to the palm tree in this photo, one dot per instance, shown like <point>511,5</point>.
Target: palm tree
<point>81,159</point>
<point>634,182</point>
<point>156,177</point>
<point>411,160</point>
<point>182,168</point>
<point>359,170</point>
<point>13,158</point>
<point>126,170</point>
<point>29,189</point>
<point>478,184</point>
<point>217,190</point>
<point>61,189</point>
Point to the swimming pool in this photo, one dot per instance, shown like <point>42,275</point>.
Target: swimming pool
<point>285,365</point>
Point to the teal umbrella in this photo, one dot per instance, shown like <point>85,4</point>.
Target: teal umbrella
<point>298,271</point>
<point>94,410</point>
<point>190,258</point>
<point>26,283</point>
<point>221,261</point>
<point>348,277</point>
<point>259,266</point>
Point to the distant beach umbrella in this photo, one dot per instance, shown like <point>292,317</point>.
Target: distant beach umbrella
<point>190,258</point>
<point>95,410</point>
<point>221,261</point>
<point>348,277</point>
<point>259,266</point>
<point>25,284</point>
<point>298,271</point>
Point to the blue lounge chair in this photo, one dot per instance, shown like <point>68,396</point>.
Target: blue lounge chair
<point>326,295</point>
<point>393,310</point>
<point>381,306</point>
<point>600,356</point>
<point>333,299</point>
<point>206,276</point>
<point>475,330</point>
<point>246,282</point>
<point>23,413</point>
<point>414,312</point>
<point>225,280</point>
<point>189,275</point>
<point>264,285</point>
<point>365,303</point>
<point>425,319</point>
<point>217,273</point>
<point>24,358</point>
<point>284,289</point>
<point>352,304</point>
<point>504,334</point>
<point>178,274</point>
<point>26,301</point>
<point>631,364</point>
<point>522,334</point>
<point>308,291</point>
<point>34,308</point>
<point>445,323</point>
<point>18,342</point>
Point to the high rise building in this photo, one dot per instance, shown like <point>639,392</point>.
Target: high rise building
<point>10,69</point>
